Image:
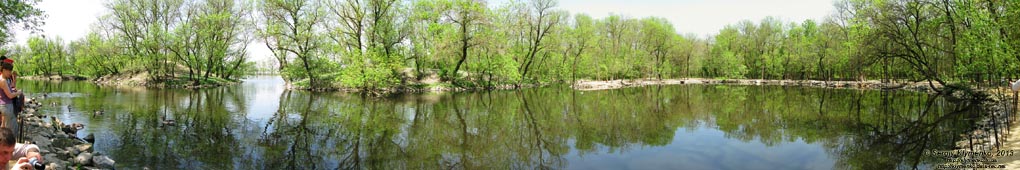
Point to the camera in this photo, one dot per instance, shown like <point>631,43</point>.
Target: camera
<point>36,164</point>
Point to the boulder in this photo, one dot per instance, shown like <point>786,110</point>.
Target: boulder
<point>44,151</point>
<point>50,158</point>
<point>65,142</point>
<point>61,155</point>
<point>84,158</point>
<point>47,134</point>
<point>60,135</point>
<point>103,162</point>
<point>54,158</point>
<point>59,164</point>
<point>84,147</point>
<point>91,138</point>
<point>55,166</point>
<point>72,151</point>
<point>40,141</point>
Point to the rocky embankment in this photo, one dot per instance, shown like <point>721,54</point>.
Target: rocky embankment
<point>871,84</point>
<point>59,143</point>
<point>54,78</point>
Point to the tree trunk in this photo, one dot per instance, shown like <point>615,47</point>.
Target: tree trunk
<point>463,48</point>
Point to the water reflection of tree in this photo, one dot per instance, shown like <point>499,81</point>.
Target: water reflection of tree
<point>899,134</point>
<point>202,136</point>
<point>862,129</point>
<point>524,129</point>
<point>292,139</point>
<point>506,130</point>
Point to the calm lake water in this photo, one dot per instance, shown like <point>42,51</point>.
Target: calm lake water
<point>259,125</point>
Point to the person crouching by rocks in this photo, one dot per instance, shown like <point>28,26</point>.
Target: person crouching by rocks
<point>25,154</point>
<point>9,118</point>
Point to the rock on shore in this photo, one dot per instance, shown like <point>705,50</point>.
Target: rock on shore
<point>60,150</point>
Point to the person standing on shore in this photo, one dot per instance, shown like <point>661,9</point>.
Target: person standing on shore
<point>19,102</point>
<point>9,119</point>
<point>14,75</point>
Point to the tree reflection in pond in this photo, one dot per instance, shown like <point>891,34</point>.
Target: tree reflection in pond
<point>257,125</point>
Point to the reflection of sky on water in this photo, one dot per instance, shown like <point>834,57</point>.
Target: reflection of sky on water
<point>248,116</point>
<point>705,148</point>
<point>266,99</point>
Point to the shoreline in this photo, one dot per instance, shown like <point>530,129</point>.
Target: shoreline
<point>141,80</point>
<point>126,80</point>
<point>414,89</point>
<point>988,135</point>
<point>593,85</point>
<point>57,78</point>
<point>60,150</point>
<point>1002,105</point>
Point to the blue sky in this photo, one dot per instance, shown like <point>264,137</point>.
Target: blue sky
<point>71,19</point>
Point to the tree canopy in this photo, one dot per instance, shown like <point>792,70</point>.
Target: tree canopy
<point>374,44</point>
<point>19,12</point>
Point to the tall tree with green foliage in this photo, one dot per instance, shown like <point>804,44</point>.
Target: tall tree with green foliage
<point>19,12</point>
<point>289,29</point>
<point>466,15</point>
<point>540,19</point>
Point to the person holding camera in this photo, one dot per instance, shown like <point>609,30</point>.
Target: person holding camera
<point>27,155</point>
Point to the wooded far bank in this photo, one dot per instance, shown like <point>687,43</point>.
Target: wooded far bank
<point>376,44</point>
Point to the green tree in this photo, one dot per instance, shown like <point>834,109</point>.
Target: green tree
<point>540,19</point>
<point>48,56</point>
<point>15,12</point>
<point>659,39</point>
<point>466,15</point>
<point>289,29</point>
<point>97,56</point>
